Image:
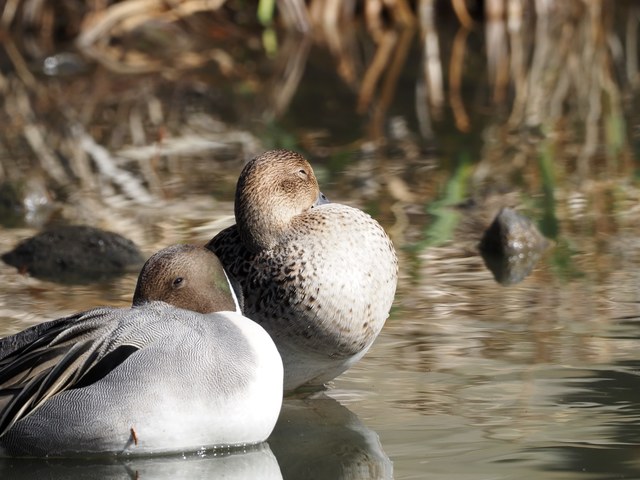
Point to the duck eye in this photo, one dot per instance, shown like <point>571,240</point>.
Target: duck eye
<point>177,283</point>
<point>302,173</point>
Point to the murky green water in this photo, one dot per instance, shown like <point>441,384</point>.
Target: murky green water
<point>469,378</point>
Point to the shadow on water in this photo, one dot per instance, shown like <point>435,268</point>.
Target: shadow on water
<point>258,462</point>
<point>613,393</point>
<point>318,438</point>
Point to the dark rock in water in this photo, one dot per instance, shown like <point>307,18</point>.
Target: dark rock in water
<point>75,254</point>
<point>511,246</point>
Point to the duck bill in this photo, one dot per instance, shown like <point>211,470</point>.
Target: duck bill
<point>321,200</point>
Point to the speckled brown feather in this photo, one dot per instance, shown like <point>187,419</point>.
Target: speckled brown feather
<point>323,284</point>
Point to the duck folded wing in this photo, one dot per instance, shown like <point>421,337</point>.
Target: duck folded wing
<point>68,353</point>
<point>13,343</point>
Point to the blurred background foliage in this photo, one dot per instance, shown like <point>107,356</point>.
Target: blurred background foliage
<point>431,114</point>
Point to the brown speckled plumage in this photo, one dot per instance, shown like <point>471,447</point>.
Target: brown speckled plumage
<point>319,278</point>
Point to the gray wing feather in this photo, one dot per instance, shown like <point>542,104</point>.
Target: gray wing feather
<point>63,353</point>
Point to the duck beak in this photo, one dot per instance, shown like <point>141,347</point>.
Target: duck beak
<point>321,200</point>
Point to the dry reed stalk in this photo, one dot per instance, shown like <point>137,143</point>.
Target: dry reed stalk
<point>291,62</point>
<point>333,24</point>
<point>455,81</point>
<point>632,44</point>
<point>19,64</point>
<point>460,8</point>
<point>19,108</point>
<point>295,15</point>
<point>390,83</point>
<point>517,60</point>
<point>386,47</point>
<point>497,49</point>
<point>126,15</point>
<point>121,19</point>
<point>431,54</point>
<point>9,12</point>
<point>330,14</point>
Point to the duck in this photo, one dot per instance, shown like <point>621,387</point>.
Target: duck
<point>180,370</point>
<point>320,277</point>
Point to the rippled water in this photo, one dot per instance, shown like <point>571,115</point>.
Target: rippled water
<point>469,378</point>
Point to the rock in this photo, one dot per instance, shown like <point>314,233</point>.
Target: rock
<point>75,254</point>
<point>511,246</point>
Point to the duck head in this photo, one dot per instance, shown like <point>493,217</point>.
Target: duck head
<point>186,276</point>
<point>273,189</point>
